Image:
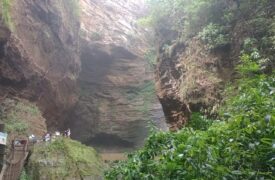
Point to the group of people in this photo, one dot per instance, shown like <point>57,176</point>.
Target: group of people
<point>50,136</point>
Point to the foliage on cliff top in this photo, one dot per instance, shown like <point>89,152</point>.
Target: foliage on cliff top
<point>189,18</point>
<point>64,158</point>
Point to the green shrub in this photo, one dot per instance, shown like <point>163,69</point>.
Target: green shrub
<point>6,14</point>
<point>185,16</point>
<point>242,146</point>
<point>199,122</point>
<point>248,66</point>
<point>24,175</point>
<point>16,115</point>
<point>13,126</point>
<point>214,36</point>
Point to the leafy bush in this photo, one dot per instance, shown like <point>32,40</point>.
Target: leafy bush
<point>14,126</point>
<point>248,66</point>
<point>187,17</point>
<point>214,36</point>
<point>24,175</point>
<point>242,146</point>
<point>199,122</point>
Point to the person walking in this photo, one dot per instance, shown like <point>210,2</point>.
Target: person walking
<point>68,133</point>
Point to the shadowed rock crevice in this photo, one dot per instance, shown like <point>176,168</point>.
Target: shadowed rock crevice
<point>109,141</point>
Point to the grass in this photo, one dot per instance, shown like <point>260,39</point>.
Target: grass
<point>27,108</point>
<point>17,116</point>
<point>24,175</point>
<point>6,14</point>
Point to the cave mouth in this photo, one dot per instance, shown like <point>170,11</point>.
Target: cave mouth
<point>109,142</point>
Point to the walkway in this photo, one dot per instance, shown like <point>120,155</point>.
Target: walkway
<point>15,162</point>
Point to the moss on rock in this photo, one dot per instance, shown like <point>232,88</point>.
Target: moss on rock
<point>64,159</point>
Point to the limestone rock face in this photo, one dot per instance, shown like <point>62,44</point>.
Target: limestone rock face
<point>40,55</point>
<point>116,88</point>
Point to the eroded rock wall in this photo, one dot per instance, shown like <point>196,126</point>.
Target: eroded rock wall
<point>191,78</point>
<point>117,97</point>
<point>111,100</point>
<point>40,55</point>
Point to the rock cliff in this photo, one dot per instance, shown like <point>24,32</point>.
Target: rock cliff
<point>191,78</point>
<point>39,54</point>
<point>116,88</point>
<point>82,62</point>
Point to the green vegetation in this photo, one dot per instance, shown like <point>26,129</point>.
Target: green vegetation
<point>212,20</point>
<point>199,122</point>
<point>213,36</point>
<point>6,14</point>
<point>65,158</point>
<point>151,58</point>
<point>24,175</point>
<point>239,147</point>
<point>75,9</point>
<point>14,116</point>
<point>19,116</point>
<point>240,143</point>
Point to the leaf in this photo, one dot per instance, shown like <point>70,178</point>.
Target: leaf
<point>237,172</point>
